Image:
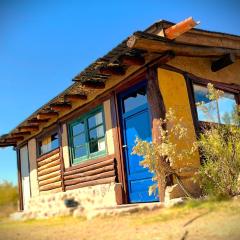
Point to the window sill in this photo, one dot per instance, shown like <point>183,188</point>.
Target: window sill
<point>48,154</point>
<point>90,157</point>
<point>90,161</point>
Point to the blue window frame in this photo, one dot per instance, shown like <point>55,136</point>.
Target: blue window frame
<point>87,136</point>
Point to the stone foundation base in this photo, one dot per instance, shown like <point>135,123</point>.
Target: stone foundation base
<point>175,191</point>
<point>74,202</point>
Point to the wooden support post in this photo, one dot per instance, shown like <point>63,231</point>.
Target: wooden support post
<point>61,155</point>
<point>223,62</point>
<point>19,180</point>
<point>157,110</point>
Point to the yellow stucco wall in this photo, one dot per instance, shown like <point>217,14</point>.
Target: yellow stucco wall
<point>109,130</point>
<point>201,67</point>
<point>175,96</point>
<point>33,167</point>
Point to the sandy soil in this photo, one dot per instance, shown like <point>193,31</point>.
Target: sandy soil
<point>209,220</point>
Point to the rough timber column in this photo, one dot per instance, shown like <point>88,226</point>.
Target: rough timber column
<point>157,110</point>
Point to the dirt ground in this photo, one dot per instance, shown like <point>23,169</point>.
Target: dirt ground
<point>195,220</point>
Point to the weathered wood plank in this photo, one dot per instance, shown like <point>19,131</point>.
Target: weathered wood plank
<point>50,186</point>
<point>48,155</point>
<point>48,160</point>
<point>90,162</point>
<point>91,183</point>
<point>91,167</point>
<point>90,178</point>
<point>49,170</point>
<point>50,180</point>
<point>50,175</point>
<point>90,173</point>
<point>50,164</point>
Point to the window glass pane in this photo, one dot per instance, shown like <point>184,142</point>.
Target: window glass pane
<point>101,144</point>
<point>207,109</point>
<point>79,140</point>
<point>80,152</point>
<point>78,128</point>
<point>48,143</point>
<point>97,145</point>
<point>135,100</point>
<point>96,133</point>
<point>55,141</point>
<point>95,120</point>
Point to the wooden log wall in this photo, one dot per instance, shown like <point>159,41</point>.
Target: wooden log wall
<point>92,172</point>
<point>49,171</point>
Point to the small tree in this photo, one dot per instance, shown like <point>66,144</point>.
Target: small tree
<point>160,158</point>
<point>219,144</point>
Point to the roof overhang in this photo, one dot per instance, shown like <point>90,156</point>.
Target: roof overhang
<point>139,50</point>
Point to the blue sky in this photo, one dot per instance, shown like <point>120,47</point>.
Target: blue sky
<point>44,44</point>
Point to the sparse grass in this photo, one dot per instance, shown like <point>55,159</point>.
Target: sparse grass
<point>202,219</point>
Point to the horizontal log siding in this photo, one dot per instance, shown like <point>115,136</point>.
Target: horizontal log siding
<point>92,172</point>
<point>49,171</point>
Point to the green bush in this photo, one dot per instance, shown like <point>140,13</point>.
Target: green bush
<point>219,144</point>
<point>8,193</point>
<point>219,174</point>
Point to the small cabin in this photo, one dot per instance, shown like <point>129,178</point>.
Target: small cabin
<point>76,149</point>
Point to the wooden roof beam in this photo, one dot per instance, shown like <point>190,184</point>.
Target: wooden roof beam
<point>75,97</point>
<point>28,128</point>
<point>112,70</point>
<point>38,121</point>
<point>223,62</point>
<point>157,44</point>
<point>16,134</point>
<point>47,115</point>
<point>180,28</point>
<point>94,84</point>
<point>132,60</point>
<point>14,139</point>
<point>61,106</point>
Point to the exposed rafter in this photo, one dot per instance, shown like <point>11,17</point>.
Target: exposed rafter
<point>223,62</point>
<point>75,97</point>
<point>47,115</point>
<point>94,84</point>
<point>113,70</point>
<point>21,134</point>
<point>61,106</point>
<point>38,121</point>
<point>132,60</point>
<point>28,128</point>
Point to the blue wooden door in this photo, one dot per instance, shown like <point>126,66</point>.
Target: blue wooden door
<point>135,121</point>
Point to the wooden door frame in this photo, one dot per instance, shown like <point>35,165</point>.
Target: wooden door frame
<point>117,134</point>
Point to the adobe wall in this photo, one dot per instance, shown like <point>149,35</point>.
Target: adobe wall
<point>201,67</point>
